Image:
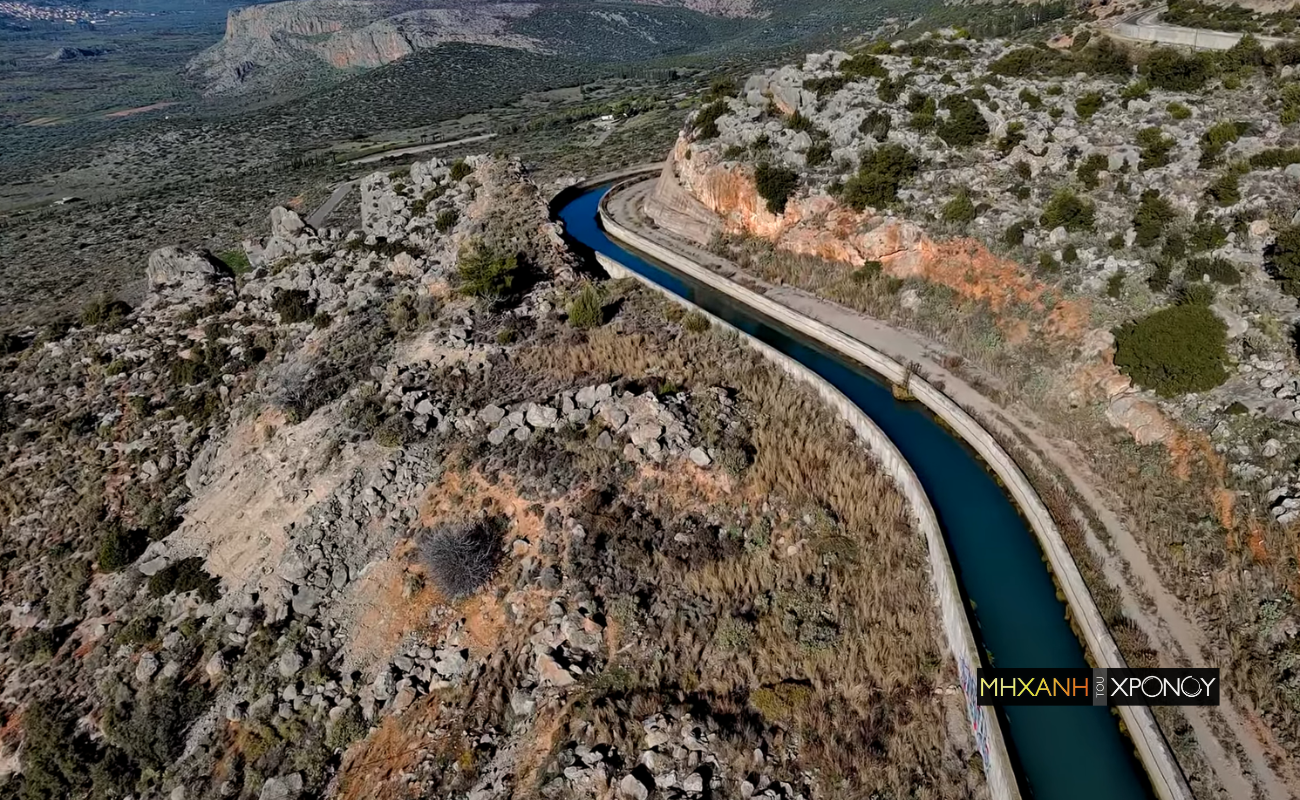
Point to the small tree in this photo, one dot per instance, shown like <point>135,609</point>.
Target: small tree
<point>1066,210</point>
<point>1283,259</point>
<point>1175,350</point>
<point>484,273</point>
<point>585,310</point>
<point>446,220</point>
<point>959,209</point>
<point>1152,215</point>
<point>965,125</point>
<point>1089,104</point>
<point>460,170</point>
<point>1225,190</point>
<point>882,173</point>
<point>1155,147</point>
<point>775,185</point>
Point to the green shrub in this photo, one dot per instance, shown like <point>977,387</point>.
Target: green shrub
<point>798,122</point>
<point>1290,100</point>
<point>1070,254</point>
<point>888,90</point>
<point>1088,169</point>
<point>863,65</point>
<point>1195,293</point>
<point>1217,138</point>
<point>1283,259</point>
<point>818,154</point>
<point>1012,138</point>
<point>460,170</point>
<point>1276,157</point>
<point>1225,189</point>
<point>585,310</point>
<point>924,112</point>
<point>1015,234</point>
<point>1219,270</point>
<point>118,548</point>
<point>293,306</point>
<point>487,274</point>
<point>959,209</point>
<point>446,220</point>
<point>1023,170</point>
<point>1115,284</point>
<point>882,173</point>
<point>1153,214</point>
<point>1033,101</point>
<point>1155,147</point>
<point>721,88</point>
<point>1047,263</point>
<point>824,87</point>
<point>1175,246</point>
<point>1158,280</point>
<point>965,126</point>
<point>236,261</point>
<point>775,185</point>
<point>1167,68</point>
<point>705,123</point>
<point>876,125</point>
<point>869,271</point>
<point>1208,235</point>
<point>322,319</point>
<point>1139,89</point>
<point>1089,104</point>
<point>186,575</point>
<point>1178,111</point>
<point>1173,351</point>
<point>1066,210</point>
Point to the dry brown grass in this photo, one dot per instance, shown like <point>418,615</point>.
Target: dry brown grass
<point>842,554</point>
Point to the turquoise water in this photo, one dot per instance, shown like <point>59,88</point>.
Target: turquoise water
<point>1062,753</point>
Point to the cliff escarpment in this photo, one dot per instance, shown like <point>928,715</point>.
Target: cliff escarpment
<point>268,42</point>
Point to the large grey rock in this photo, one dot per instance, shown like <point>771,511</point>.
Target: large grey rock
<point>286,223</point>
<point>290,663</point>
<point>632,788</point>
<point>186,269</point>
<point>146,667</point>
<point>287,787</point>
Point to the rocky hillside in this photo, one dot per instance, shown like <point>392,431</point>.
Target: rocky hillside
<point>275,43</point>
<point>416,510</point>
<point>1109,237</point>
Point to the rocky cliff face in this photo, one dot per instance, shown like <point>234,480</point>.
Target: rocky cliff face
<point>267,41</point>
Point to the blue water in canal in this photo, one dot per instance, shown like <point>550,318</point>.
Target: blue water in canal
<point>1063,753</point>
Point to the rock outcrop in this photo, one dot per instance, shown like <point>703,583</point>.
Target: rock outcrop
<point>187,270</point>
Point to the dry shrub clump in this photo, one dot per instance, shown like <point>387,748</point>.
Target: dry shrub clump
<point>462,555</point>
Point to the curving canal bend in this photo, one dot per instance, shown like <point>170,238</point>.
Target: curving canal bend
<point>1061,753</point>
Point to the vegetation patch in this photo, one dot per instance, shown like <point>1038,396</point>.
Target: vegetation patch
<point>1174,351</point>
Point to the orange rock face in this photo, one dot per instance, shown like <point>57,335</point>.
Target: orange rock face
<point>820,226</point>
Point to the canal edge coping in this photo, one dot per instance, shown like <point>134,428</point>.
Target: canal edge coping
<point>1153,751</point>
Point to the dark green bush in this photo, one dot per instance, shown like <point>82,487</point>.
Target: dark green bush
<point>1219,270</point>
<point>775,184</point>
<point>1066,210</point>
<point>1217,138</point>
<point>965,126</point>
<point>585,310</point>
<point>1153,214</point>
<point>1225,189</point>
<point>819,153</point>
<point>1015,234</point>
<point>705,124</point>
<point>1088,169</point>
<point>1089,104</point>
<point>875,124</point>
<point>863,65</point>
<point>825,87</point>
<point>1195,293</point>
<point>1115,284</point>
<point>1276,157</point>
<point>959,209</point>
<point>1208,235</point>
<point>118,548</point>
<point>186,575</point>
<point>1155,147</point>
<point>293,306</point>
<point>1158,280</point>
<point>1173,351</point>
<point>1030,99</point>
<point>484,273</point>
<point>882,173</point>
<point>446,220</point>
<point>924,117</point>
<point>460,170</point>
<point>1178,111</point>
<point>1167,68</point>
<point>1283,259</point>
